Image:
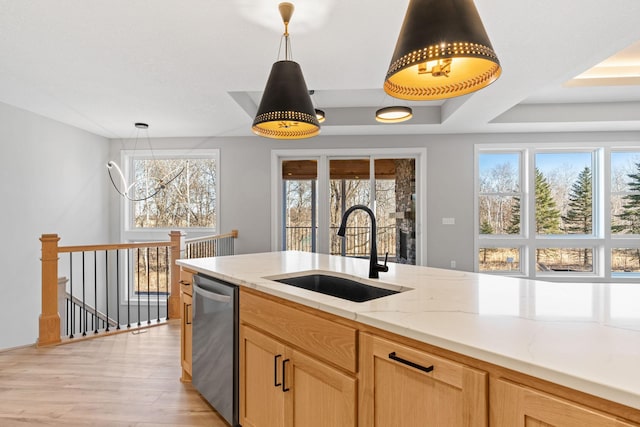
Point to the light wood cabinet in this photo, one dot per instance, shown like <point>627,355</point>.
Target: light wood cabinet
<point>515,405</point>
<point>281,386</point>
<point>186,316</point>
<point>260,379</point>
<point>284,378</point>
<point>404,386</point>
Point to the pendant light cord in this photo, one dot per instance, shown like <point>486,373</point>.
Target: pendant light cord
<point>287,47</point>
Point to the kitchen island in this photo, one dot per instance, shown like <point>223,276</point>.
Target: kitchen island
<point>583,337</point>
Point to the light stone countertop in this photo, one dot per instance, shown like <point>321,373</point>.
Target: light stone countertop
<point>581,335</point>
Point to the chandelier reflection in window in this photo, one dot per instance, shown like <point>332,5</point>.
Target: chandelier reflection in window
<point>147,186</point>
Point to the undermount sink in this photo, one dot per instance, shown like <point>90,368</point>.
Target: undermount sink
<point>339,287</point>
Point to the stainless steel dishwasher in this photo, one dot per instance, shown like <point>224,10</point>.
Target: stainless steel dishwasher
<point>215,345</point>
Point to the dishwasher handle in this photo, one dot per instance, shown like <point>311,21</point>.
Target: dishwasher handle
<point>211,295</point>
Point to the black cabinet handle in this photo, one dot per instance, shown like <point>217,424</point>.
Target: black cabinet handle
<point>186,314</point>
<point>393,356</point>
<point>184,282</point>
<point>284,375</point>
<point>275,370</point>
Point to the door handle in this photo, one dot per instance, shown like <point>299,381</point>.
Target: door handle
<point>212,295</point>
<point>284,376</point>
<point>275,370</point>
<point>393,356</point>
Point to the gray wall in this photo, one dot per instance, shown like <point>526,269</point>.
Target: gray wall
<point>245,199</point>
<point>51,181</point>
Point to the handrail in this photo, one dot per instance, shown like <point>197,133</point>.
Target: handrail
<point>109,247</point>
<point>91,310</point>
<point>232,234</point>
<point>209,246</point>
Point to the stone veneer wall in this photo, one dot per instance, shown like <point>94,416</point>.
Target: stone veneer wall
<point>406,207</point>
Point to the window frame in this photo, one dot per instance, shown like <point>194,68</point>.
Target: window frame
<point>601,241</point>
<point>129,234</point>
<point>322,156</point>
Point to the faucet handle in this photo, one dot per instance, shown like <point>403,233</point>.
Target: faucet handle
<point>384,267</point>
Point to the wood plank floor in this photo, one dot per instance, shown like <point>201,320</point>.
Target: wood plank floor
<point>129,379</point>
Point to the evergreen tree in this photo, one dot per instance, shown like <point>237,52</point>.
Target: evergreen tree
<point>579,218</point>
<point>579,213</point>
<point>514,225</point>
<point>547,212</point>
<point>630,215</point>
<point>486,228</point>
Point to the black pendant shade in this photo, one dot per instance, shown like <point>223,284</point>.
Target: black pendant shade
<point>286,110</point>
<point>442,51</point>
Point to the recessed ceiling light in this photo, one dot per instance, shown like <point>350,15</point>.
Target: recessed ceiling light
<point>394,114</point>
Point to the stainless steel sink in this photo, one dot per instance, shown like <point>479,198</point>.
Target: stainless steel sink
<point>339,287</point>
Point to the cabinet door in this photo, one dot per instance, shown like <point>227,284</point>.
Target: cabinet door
<point>317,394</point>
<point>513,405</point>
<point>185,335</point>
<point>403,386</point>
<point>261,395</point>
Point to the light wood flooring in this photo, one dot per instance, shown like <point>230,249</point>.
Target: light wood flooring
<point>129,379</point>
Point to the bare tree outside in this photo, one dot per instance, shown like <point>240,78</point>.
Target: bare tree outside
<point>189,201</point>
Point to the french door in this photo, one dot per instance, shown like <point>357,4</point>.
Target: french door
<point>316,190</point>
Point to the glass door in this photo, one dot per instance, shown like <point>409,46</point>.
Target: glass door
<point>386,185</point>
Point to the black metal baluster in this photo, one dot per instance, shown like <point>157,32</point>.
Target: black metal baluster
<point>106,286</point>
<point>148,290</point>
<point>128,292</point>
<point>73,325</point>
<point>137,283</point>
<point>166,278</point>
<point>67,315</point>
<point>118,288</point>
<point>84,305</point>
<point>95,291</point>
<point>158,282</point>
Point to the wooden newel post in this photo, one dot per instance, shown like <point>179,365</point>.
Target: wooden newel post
<point>49,322</point>
<point>173,302</point>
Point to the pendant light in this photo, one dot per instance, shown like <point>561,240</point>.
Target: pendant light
<point>286,110</point>
<point>140,189</point>
<point>442,51</point>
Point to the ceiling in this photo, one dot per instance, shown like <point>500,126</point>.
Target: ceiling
<point>198,67</point>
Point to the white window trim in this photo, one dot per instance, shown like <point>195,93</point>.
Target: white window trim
<point>602,240</point>
<point>323,156</point>
<point>130,234</point>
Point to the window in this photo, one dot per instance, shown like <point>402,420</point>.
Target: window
<point>558,211</point>
<point>186,200</point>
<point>625,212</point>
<point>500,195</point>
<point>299,180</point>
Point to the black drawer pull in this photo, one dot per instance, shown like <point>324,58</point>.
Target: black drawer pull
<point>284,375</point>
<point>275,370</point>
<point>184,282</point>
<point>410,363</point>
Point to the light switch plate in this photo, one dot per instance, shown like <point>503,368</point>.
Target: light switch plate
<point>448,221</point>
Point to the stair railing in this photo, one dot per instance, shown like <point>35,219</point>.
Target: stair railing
<point>208,246</point>
<point>96,272</point>
<point>144,272</point>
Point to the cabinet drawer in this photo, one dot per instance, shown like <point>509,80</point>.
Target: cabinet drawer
<point>331,341</point>
<point>404,386</point>
<point>515,405</point>
<point>186,281</point>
